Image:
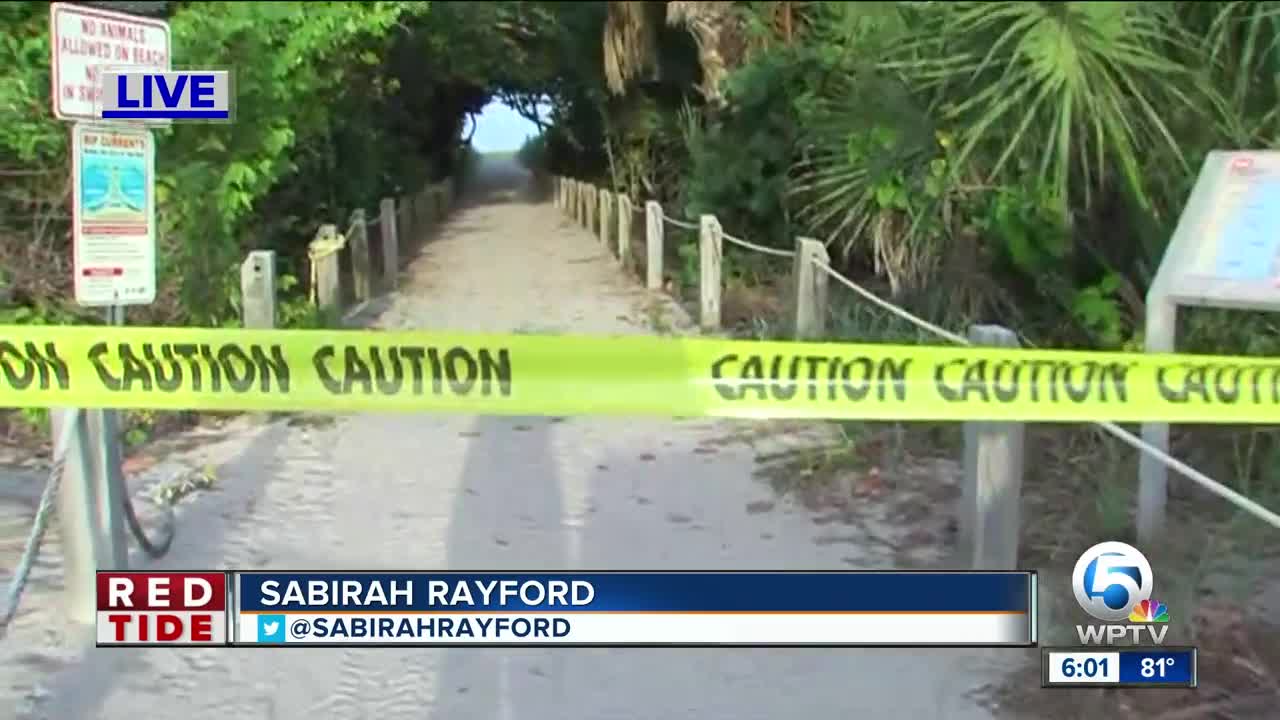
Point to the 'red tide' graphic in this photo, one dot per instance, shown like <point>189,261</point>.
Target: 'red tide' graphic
<point>162,608</point>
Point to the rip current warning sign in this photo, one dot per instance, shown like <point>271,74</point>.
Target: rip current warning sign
<point>353,371</point>
<point>114,216</point>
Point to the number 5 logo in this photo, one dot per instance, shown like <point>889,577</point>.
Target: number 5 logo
<point>1110,578</point>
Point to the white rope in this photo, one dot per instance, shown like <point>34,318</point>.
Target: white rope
<point>758,248</point>
<point>638,209</point>
<point>1208,483</point>
<point>885,304</point>
<point>679,223</point>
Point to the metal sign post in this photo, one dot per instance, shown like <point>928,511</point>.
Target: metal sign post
<point>114,249</point>
<point>1224,253</point>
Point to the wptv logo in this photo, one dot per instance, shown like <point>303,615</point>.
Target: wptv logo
<point>1113,583</point>
<point>150,95</point>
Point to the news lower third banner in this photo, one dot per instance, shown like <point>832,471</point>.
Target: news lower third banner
<point>634,609</point>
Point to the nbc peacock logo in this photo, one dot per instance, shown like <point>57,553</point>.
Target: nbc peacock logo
<point>1149,611</point>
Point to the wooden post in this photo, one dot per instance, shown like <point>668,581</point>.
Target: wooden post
<point>438,209</point>
<point>603,198</point>
<point>424,203</point>
<point>990,504</point>
<point>624,228</point>
<point>711,243</point>
<point>360,271</point>
<point>809,282</point>
<point>404,218</point>
<point>258,289</point>
<point>559,181</point>
<point>653,232</point>
<point>591,209</point>
<point>323,251</point>
<point>575,201</point>
<point>390,243</point>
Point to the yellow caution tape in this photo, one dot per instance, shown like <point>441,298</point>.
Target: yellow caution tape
<point>343,371</point>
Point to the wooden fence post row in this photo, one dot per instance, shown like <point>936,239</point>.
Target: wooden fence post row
<point>399,220</point>
<point>989,512</point>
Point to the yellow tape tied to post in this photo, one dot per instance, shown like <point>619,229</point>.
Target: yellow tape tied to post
<point>332,371</point>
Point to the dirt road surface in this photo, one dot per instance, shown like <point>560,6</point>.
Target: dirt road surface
<point>457,492</point>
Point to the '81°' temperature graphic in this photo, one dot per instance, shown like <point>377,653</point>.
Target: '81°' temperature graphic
<point>1115,667</point>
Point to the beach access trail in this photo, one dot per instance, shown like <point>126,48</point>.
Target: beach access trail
<point>463,492</point>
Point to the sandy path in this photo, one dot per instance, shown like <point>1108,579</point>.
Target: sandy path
<point>429,491</point>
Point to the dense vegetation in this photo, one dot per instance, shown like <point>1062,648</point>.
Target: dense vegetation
<point>1020,161</point>
<point>338,104</point>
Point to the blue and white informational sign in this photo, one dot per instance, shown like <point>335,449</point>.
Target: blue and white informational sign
<point>113,224</point>
<point>688,609</point>
<point>1226,251</point>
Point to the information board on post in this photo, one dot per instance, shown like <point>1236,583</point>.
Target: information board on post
<point>1226,253</point>
<point>114,218</point>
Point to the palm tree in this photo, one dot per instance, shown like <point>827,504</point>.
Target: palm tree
<point>631,41</point>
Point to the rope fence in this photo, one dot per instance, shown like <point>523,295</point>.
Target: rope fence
<point>989,518</point>
<point>759,248</point>
<point>680,223</point>
<point>1120,433</point>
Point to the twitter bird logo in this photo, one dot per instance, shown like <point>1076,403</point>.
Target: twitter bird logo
<point>271,628</point>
